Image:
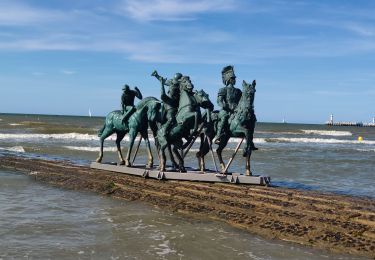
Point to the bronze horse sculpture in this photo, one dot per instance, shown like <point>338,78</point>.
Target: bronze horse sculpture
<point>146,113</point>
<point>188,119</point>
<point>241,124</point>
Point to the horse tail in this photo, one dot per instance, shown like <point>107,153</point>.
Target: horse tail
<point>100,132</point>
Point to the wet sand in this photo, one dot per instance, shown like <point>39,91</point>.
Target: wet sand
<point>337,223</point>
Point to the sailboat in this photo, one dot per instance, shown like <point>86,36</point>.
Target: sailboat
<point>89,112</point>
<point>284,122</point>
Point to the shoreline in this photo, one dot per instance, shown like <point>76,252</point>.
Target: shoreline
<point>337,223</point>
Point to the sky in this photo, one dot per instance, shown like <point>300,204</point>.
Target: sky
<point>310,58</point>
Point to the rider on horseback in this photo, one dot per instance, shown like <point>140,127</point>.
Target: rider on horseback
<point>127,101</point>
<point>170,99</point>
<point>228,99</point>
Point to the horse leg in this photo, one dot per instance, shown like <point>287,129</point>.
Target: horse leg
<point>248,150</point>
<point>174,164</point>
<point>132,136</point>
<point>162,159</point>
<point>150,162</point>
<point>223,142</point>
<point>120,136</point>
<point>248,170</point>
<point>106,132</point>
<point>180,159</point>
<point>201,153</point>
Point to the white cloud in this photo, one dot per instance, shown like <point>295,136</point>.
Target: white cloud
<point>12,13</point>
<point>68,72</point>
<point>173,10</point>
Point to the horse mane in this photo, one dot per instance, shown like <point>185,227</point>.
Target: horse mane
<point>144,102</point>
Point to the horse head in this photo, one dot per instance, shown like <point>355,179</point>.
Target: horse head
<point>249,91</point>
<point>153,110</point>
<point>203,100</point>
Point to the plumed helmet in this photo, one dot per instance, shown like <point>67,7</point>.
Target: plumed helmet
<point>227,73</point>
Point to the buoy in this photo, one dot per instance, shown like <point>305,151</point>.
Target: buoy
<point>360,138</point>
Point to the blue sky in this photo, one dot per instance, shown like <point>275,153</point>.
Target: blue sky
<point>310,58</point>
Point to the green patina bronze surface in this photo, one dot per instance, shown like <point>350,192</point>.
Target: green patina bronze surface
<point>178,116</point>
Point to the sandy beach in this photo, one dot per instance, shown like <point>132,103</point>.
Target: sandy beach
<point>337,223</point>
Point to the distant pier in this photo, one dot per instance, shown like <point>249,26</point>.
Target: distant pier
<point>358,124</point>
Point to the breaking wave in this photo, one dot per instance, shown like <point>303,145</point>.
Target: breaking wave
<point>17,149</point>
<point>327,132</point>
<point>70,136</point>
<point>86,137</point>
<point>90,148</point>
<point>317,141</point>
<point>365,150</point>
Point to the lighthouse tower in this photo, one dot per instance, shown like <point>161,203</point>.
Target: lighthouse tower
<point>331,119</point>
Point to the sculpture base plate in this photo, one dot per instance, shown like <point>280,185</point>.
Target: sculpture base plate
<point>190,175</point>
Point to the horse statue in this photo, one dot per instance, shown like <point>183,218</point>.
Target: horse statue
<point>188,119</point>
<point>241,124</point>
<point>147,112</point>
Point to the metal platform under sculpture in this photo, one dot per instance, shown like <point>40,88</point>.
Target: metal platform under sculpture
<point>190,175</point>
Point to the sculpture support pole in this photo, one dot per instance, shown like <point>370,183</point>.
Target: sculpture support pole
<point>234,154</point>
<point>192,141</point>
<point>136,150</point>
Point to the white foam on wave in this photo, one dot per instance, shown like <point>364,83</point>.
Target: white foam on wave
<point>67,136</point>
<point>87,137</point>
<point>14,124</point>
<point>327,132</point>
<point>255,140</point>
<point>90,148</point>
<point>365,150</point>
<point>318,141</point>
<point>17,149</point>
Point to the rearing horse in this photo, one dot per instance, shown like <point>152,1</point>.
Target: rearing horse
<point>146,112</point>
<point>188,118</point>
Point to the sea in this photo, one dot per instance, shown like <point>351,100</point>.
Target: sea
<point>42,222</point>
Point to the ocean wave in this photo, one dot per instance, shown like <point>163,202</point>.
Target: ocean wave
<point>327,132</point>
<point>318,141</point>
<point>17,149</point>
<point>71,136</point>
<point>87,137</point>
<point>91,148</point>
<point>365,150</point>
<point>15,124</point>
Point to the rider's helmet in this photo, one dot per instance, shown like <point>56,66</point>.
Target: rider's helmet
<point>126,87</point>
<point>228,75</point>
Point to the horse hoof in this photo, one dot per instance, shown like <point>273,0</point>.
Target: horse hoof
<point>98,160</point>
<point>128,164</point>
<point>149,165</point>
<point>182,169</point>
<point>249,173</point>
<point>122,163</point>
